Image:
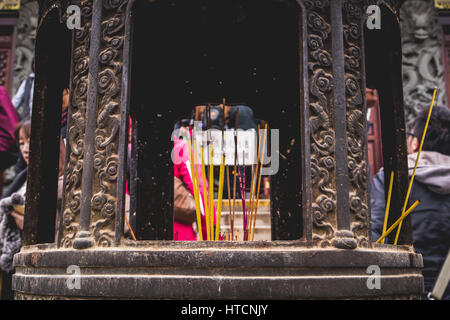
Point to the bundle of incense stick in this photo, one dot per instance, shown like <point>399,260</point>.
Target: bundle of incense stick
<point>405,212</point>
<point>250,211</point>
<point>399,221</point>
<point>212,226</point>
<point>254,192</point>
<point>415,166</point>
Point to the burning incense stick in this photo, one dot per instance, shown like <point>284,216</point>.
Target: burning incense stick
<point>244,195</point>
<point>415,166</point>
<point>129,227</point>
<point>253,182</point>
<point>234,172</point>
<point>195,187</point>
<point>229,194</point>
<point>250,198</point>
<point>211,191</point>
<point>259,182</point>
<point>219,205</point>
<point>211,172</point>
<point>399,220</point>
<point>386,214</point>
<point>221,175</point>
<point>205,197</point>
<point>241,188</point>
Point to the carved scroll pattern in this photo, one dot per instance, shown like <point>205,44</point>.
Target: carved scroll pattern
<point>356,122</point>
<point>106,165</point>
<point>323,191</point>
<point>76,127</point>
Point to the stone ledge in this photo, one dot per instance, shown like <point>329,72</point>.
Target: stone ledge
<point>239,272</point>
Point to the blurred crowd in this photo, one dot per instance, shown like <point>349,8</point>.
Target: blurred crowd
<point>15,133</point>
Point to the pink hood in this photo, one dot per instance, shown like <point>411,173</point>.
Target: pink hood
<point>8,120</point>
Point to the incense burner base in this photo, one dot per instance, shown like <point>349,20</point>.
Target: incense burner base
<point>213,270</point>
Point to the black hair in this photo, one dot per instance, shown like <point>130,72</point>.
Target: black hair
<point>438,133</point>
<point>182,123</point>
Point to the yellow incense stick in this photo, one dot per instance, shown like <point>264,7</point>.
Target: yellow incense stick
<point>195,187</point>
<point>229,194</point>
<point>259,182</point>
<point>399,220</point>
<point>388,203</point>
<point>236,125</point>
<point>250,205</point>
<point>129,227</point>
<point>219,205</point>
<point>211,191</point>
<point>415,166</point>
<point>205,197</point>
<point>253,181</point>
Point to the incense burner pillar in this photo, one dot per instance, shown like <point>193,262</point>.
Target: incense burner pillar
<point>91,188</point>
<point>338,164</point>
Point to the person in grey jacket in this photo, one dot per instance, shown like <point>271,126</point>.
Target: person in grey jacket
<point>23,99</point>
<point>431,219</point>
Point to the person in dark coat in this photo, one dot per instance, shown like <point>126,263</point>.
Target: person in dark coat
<point>431,219</point>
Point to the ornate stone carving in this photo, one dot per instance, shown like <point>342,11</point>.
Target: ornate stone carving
<point>76,127</point>
<point>422,63</point>
<point>356,123</point>
<point>25,41</point>
<point>323,193</point>
<point>104,199</point>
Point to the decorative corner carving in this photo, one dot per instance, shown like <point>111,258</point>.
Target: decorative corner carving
<point>110,58</point>
<point>322,137</point>
<point>353,14</point>
<point>76,127</point>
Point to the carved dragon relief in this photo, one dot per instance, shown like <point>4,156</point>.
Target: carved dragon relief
<point>422,62</point>
<point>76,127</point>
<point>25,41</point>
<point>104,198</point>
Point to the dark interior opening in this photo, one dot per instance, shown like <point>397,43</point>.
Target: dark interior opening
<point>188,53</point>
<point>383,73</point>
<point>52,77</point>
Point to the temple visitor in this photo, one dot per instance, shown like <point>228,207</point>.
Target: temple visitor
<point>23,99</point>
<point>13,202</point>
<point>184,208</point>
<point>8,120</point>
<point>11,221</point>
<point>431,219</point>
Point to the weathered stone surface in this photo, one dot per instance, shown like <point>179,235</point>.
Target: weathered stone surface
<point>202,270</point>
